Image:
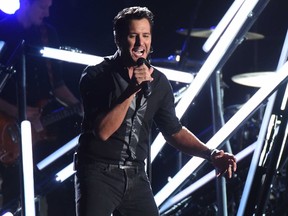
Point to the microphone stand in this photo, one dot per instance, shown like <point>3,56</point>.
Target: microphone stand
<point>21,90</point>
<point>218,122</point>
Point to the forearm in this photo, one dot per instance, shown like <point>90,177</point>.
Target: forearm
<point>112,120</point>
<point>106,125</point>
<point>188,143</point>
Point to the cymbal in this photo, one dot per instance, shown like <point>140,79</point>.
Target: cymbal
<point>254,79</point>
<point>205,33</point>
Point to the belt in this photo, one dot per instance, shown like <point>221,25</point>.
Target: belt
<point>113,165</point>
<point>129,165</point>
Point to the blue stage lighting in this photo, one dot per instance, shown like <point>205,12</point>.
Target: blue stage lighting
<point>9,6</point>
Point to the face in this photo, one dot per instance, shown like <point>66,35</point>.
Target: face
<point>138,41</point>
<point>38,10</point>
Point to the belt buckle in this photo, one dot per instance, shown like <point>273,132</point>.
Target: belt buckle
<point>125,166</point>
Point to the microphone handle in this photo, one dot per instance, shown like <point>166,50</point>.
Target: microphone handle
<point>146,86</point>
<point>146,89</point>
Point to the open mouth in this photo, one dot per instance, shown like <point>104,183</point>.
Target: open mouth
<point>138,52</point>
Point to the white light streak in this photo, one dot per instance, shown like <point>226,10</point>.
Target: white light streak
<point>27,163</point>
<point>209,66</point>
<point>58,153</point>
<point>223,133</point>
<point>65,173</point>
<point>87,59</point>
<point>70,56</point>
<point>222,25</point>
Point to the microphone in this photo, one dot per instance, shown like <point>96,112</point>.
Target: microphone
<point>146,86</point>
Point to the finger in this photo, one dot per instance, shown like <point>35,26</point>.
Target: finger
<point>230,172</point>
<point>233,165</point>
<point>220,173</point>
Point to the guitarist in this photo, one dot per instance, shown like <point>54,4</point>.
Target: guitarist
<point>43,77</point>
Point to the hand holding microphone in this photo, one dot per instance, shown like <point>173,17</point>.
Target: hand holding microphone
<point>146,86</point>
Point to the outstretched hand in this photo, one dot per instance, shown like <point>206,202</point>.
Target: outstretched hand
<point>224,163</point>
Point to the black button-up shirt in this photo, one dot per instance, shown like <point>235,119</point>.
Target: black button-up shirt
<point>100,87</point>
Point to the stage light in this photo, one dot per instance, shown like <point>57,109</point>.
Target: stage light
<point>207,68</point>
<point>27,166</point>
<point>58,153</point>
<point>9,6</point>
<point>65,173</point>
<point>7,214</point>
<point>176,75</point>
<point>70,56</point>
<point>87,59</point>
<point>188,96</point>
<point>222,25</point>
<point>265,131</point>
<point>2,45</point>
<point>235,121</point>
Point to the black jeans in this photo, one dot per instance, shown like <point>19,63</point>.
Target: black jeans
<point>102,189</point>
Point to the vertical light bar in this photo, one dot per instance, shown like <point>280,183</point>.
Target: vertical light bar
<point>27,166</point>
<point>261,136</point>
<point>208,66</point>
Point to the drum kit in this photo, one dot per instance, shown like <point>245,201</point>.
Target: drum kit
<point>251,79</point>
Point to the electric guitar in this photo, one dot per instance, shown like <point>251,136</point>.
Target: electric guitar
<point>10,131</point>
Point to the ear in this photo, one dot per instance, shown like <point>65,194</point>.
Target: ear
<point>116,42</point>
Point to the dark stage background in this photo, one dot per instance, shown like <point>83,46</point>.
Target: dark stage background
<point>87,26</point>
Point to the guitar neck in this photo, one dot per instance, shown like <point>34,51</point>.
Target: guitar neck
<point>60,114</point>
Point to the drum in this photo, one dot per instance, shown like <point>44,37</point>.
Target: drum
<point>247,133</point>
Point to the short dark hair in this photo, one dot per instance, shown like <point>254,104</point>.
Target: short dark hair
<point>123,18</point>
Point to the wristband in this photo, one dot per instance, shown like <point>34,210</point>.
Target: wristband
<point>209,153</point>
